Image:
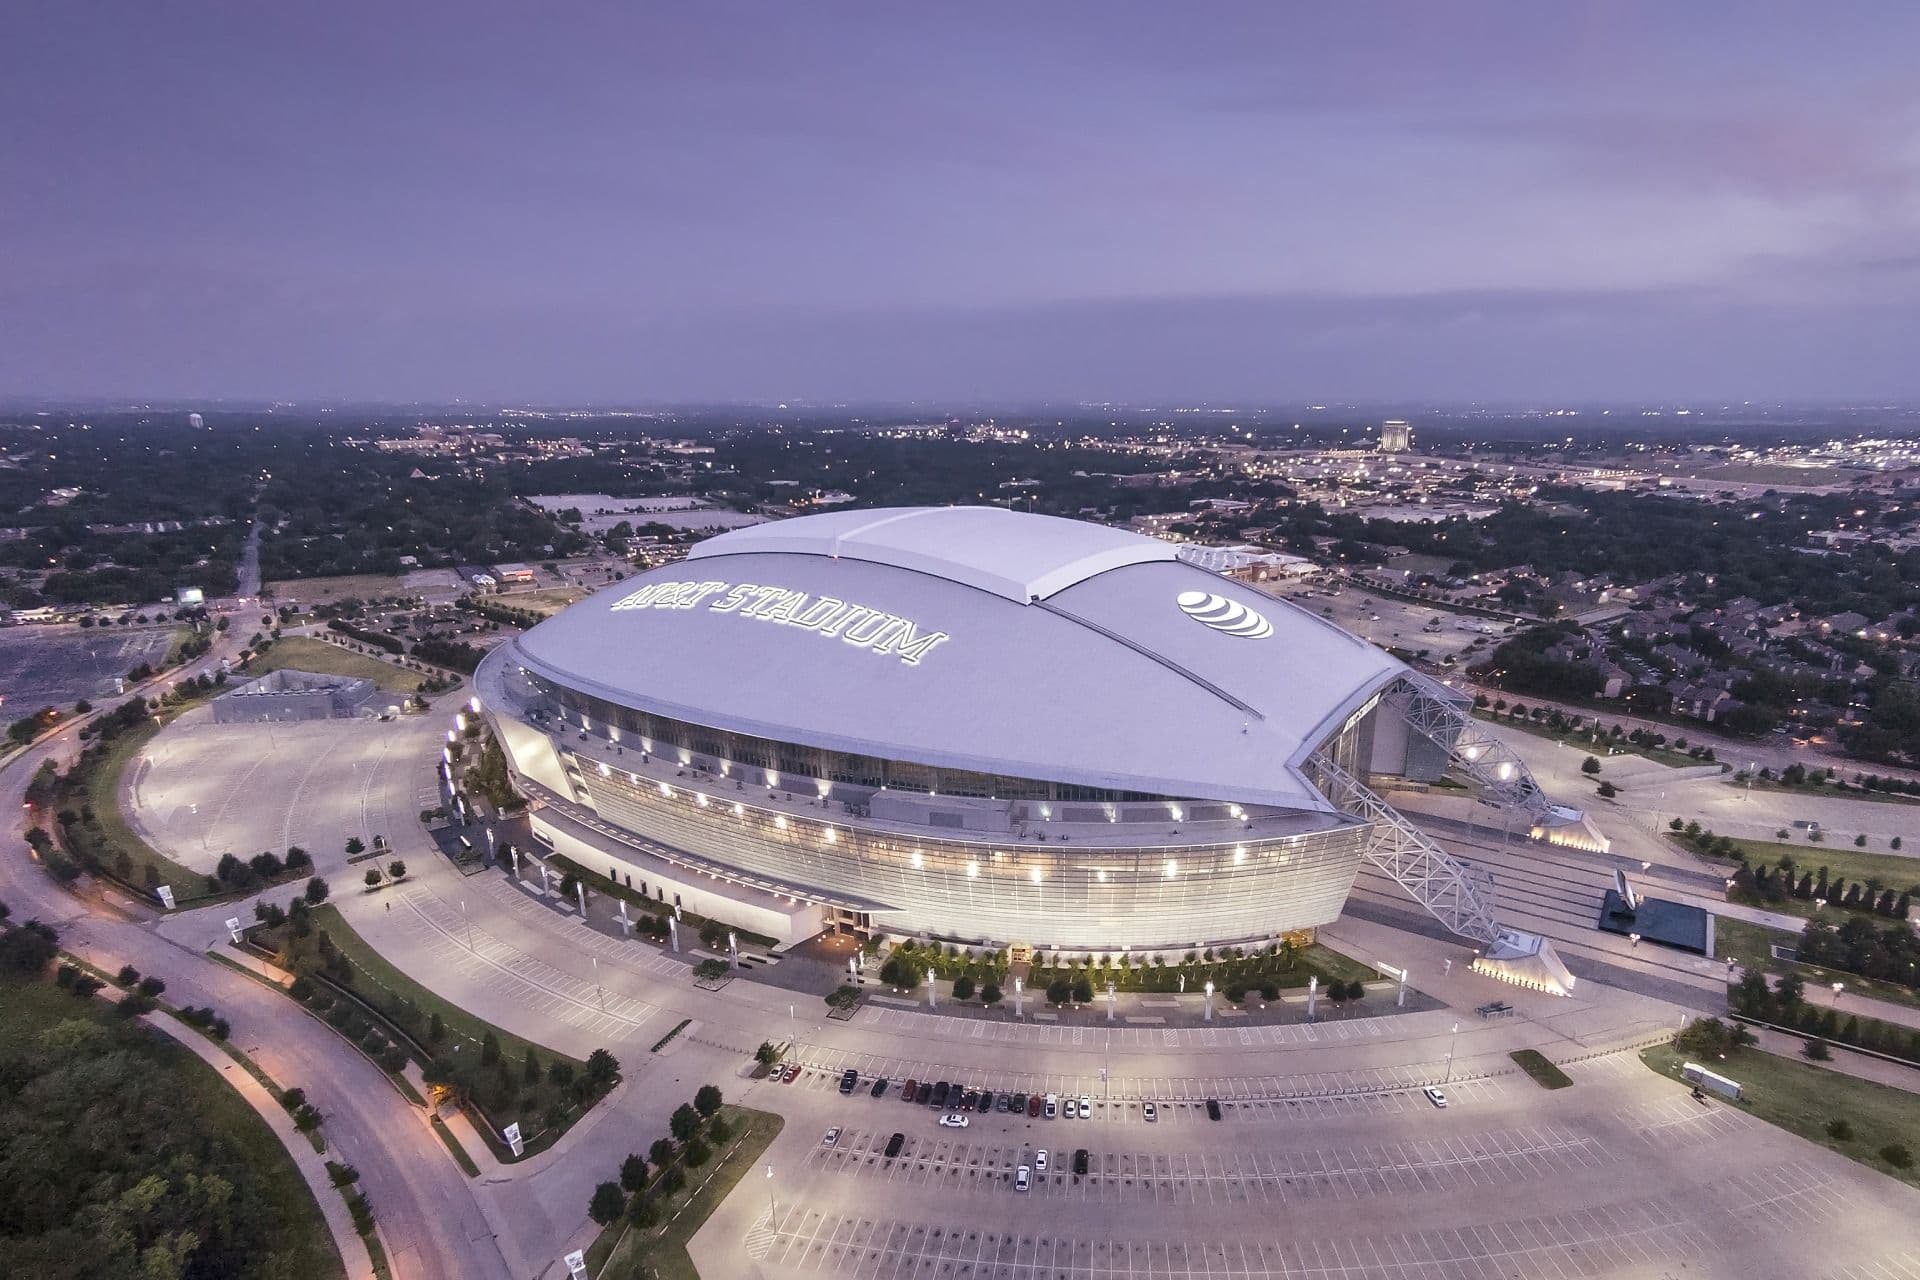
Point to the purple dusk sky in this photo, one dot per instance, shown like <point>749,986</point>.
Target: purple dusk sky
<point>715,201</point>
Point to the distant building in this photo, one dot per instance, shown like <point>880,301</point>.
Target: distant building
<point>514,572</point>
<point>195,421</point>
<point>295,695</point>
<point>190,597</point>
<point>1395,436</point>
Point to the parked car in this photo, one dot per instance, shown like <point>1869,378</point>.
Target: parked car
<point>940,1092</point>
<point>1022,1178</point>
<point>879,1089</point>
<point>1213,1108</point>
<point>791,1073</point>
<point>1053,1105</point>
<point>833,1136</point>
<point>909,1090</point>
<point>1150,1111</point>
<point>894,1144</point>
<point>1080,1161</point>
<point>1033,1105</point>
<point>953,1120</point>
<point>1086,1107</point>
<point>969,1099</point>
<point>986,1101</point>
<point>1001,1102</point>
<point>848,1080</point>
<point>1437,1097</point>
<point>1040,1160</point>
<point>924,1094</point>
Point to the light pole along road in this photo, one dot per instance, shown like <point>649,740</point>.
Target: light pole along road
<point>428,1217</point>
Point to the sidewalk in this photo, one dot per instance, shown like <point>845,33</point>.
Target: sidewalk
<point>312,1165</point>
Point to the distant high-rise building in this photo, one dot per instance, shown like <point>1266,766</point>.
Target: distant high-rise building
<point>1395,437</point>
<point>195,421</point>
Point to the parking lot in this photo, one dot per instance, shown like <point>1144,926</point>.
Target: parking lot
<point>57,666</point>
<point>1200,1175</point>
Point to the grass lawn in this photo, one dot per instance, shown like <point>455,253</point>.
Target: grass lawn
<point>620,1250</point>
<point>303,653</point>
<point>1543,1072</point>
<point>204,1103</point>
<point>1891,869</point>
<point>378,973</point>
<point>1802,1098</point>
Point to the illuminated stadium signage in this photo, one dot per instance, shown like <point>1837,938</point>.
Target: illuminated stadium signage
<point>1229,617</point>
<point>872,629</point>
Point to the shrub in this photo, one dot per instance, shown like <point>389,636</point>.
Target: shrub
<point>697,1153</point>
<point>316,891</point>
<point>1816,1049</point>
<point>127,976</point>
<point>151,986</point>
<point>372,877</point>
<point>963,988</point>
<point>990,994</point>
<point>397,869</point>
<point>1840,1131</point>
<point>1897,1154</point>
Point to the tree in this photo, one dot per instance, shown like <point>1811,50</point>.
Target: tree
<point>1590,765</point>
<point>1816,1049</point>
<point>1083,991</point>
<point>697,1152</point>
<point>1059,991</point>
<point>530,1069</point>
<point>489,1049</point>
<point>1860,841</point>
<point>30,948</point>
<point>990,994</point>
<point>608,1203</point>
<point>372,877</point>
<point>602,1068</point>
<point>684,1123</point>
<point>633,1172</point>
<point>316,891</point>
<point>1608,791</point>
<point>397,869</point>
<point>963,987</point>
<point>297,859</point>
<point>707,1100</point>
<point>766,1055</point>
<point>661,1153</point>
<point>355,846</point>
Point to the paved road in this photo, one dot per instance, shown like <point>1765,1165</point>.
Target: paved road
<point>428,1216</point>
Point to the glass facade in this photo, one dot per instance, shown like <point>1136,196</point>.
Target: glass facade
<point>1053,894</point>
<point>793,761</point>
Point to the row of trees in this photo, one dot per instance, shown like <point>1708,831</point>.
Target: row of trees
<point>1785,1005</point>
<point>648,1182</point>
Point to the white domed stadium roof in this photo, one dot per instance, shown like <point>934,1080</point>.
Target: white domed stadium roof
<point>977,638</point>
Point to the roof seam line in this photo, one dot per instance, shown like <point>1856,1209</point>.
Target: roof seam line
<point>1145,652</point>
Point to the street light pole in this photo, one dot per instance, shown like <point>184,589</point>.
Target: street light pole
<point>773,1216</point>
<point>468,921</point>
<point>1450,1044</point>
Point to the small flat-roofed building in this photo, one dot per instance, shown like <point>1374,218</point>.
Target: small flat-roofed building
<point>295,695</point>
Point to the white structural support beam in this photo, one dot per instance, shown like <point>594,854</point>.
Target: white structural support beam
<point>1458,896</point>
<point>1437,714</point>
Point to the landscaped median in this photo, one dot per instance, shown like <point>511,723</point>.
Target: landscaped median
<point>500,1078</point>
<point>645,1219</point>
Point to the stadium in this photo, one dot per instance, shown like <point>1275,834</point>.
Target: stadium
<point>987,727</point>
